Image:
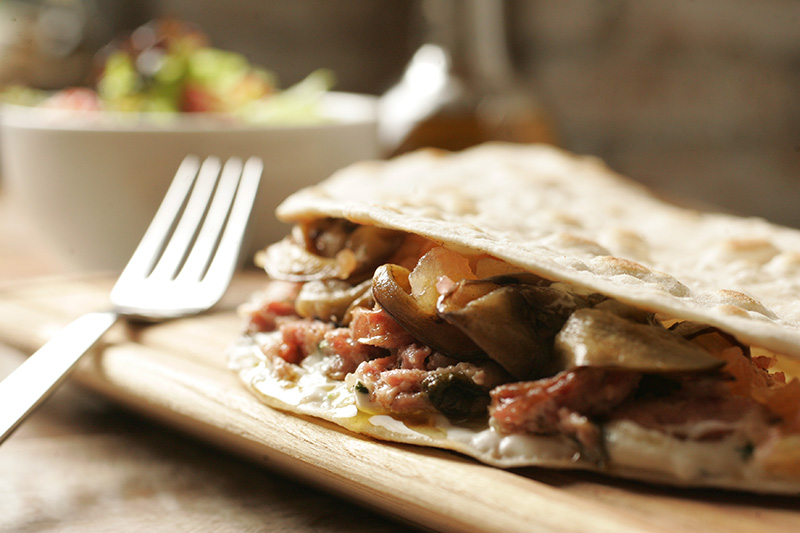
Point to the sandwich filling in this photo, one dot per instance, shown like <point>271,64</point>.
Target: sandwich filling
<point>407,332</point>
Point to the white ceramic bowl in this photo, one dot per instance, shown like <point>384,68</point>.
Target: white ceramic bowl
<point>91,184</point>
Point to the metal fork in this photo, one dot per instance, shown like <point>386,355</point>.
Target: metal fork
<point>182,266</point>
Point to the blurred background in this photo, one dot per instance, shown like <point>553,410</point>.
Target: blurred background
<point>697,98</point>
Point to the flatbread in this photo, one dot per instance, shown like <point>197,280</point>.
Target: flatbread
<point>568,219</point>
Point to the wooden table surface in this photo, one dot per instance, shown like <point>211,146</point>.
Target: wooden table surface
<point>83,463</point>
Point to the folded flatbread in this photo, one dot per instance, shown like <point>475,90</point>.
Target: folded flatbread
<point>525,306</point>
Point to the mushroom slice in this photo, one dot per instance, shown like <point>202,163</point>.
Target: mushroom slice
<point>455,395</point>
<point>289,261</point>
<point>391,290</point>
<point>350,252</point>
<point>514,324</point>
<point>597,338</point>
<point>372,246</point>
<point>332,299</point>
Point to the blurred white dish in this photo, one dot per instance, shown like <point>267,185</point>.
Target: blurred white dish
<point>90,183</point>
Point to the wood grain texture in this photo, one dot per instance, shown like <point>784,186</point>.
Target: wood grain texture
<point>176,373</point>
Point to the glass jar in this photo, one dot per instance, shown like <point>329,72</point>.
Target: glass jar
<point>460,87</point>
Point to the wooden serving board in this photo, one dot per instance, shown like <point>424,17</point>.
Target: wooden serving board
<point>176,372</point>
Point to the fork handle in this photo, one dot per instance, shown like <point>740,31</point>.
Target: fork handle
<point>31,383</point>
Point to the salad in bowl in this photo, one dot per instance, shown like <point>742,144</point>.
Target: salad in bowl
<point>169,67</point>
<point>157,95</point>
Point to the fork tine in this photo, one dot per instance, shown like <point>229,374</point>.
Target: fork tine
<point>139,296</point>
<point>146,252</point>
<point>200,254</point>
<point>227,255</point>
<point>178,244</point>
